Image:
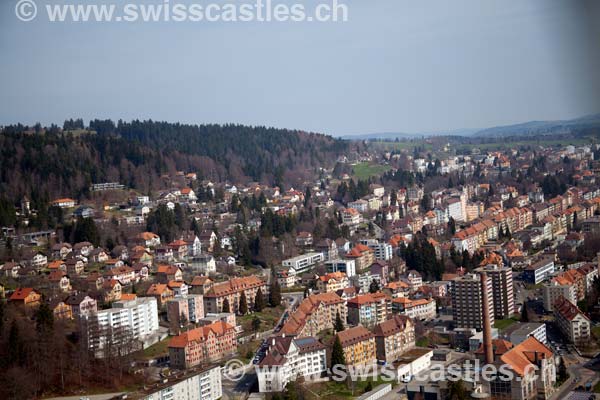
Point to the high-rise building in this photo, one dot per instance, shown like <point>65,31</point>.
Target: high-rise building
<point>467,301</point>
<point>503,289</point>
<point>120,328</point>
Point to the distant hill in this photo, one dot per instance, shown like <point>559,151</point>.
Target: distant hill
<point>403,135</point>
<point>536,128</point>
<point>532,128</point>
<point>44,163</point>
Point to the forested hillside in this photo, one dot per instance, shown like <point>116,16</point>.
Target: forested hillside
<point>46,162</point>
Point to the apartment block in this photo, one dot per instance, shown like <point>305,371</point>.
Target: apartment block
<point>183,309</point>
<point>289,358</point>
<point>573,323</point>
<point>502,287</point>
<point>125,327</point>
<point>556,289</point>
<point>369,309</point>
<point>315,314</point>
<point>332,282</point>
<point>232,290</point>
<point>394,337</point>
<point>204,385</point>
<point>205,344</point>
<point>303,262</point>
<point>339,265</point>
<point>467,301</point>
<point>421,309</point>
<point>359,345</point>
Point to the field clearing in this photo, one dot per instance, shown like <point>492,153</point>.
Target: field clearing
<point>366,170</point>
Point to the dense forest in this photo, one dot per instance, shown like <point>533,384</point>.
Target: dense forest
<point>46,162</point>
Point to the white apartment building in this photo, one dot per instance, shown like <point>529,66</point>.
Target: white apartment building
<point>303,262</point>
<point>125,327</point>
<point>572,322</point>
<point>346,266</point>
<point>359,205</point>
<point>454,209</point>
<point>535,329</point>
<point>289,358</point>
<point>554,290</point>
<point>383,251</point>
<point>205,385</point>
<point>420,309</point>
<point>351,217</point>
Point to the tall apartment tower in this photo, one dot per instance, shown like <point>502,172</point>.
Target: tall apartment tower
<point>503,288</point>
<point>467,301</point>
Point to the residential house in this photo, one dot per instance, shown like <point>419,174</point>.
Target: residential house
<point>125,275</point>
<point>166,273</point>
<point>200,284</point>
<point>148,239</point>
<point>332,282</point>
<point>82,305</point>
<point>59,281</point>
<point>161,292</point>
<point>112,290</point>
<point>26,297</point>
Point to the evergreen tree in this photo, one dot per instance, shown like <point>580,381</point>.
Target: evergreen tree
<point>393,197</point>
<point>451,226</point>
<point>339,324</point>
<point>524,314</point>
<point>15,346</point>
<point>337,353</point>
<point>259,301</point>
<point>256,324</point>
<point>44,319</point>
<point>1,317</point>
<point>243,306</point>
<point>275,295</point>
<point>563,375</point>
<point>225,308</point>
<point>374,286</point>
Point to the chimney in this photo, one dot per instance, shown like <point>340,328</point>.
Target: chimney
<point>488,349</point>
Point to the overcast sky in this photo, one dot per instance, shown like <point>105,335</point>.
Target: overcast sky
<point>396,66</point>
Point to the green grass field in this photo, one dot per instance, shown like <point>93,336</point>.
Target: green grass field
<point>159,349</point>
<point>502,324</point>
<point>366,170</point>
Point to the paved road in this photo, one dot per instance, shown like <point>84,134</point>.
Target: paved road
<point>579,375</point>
